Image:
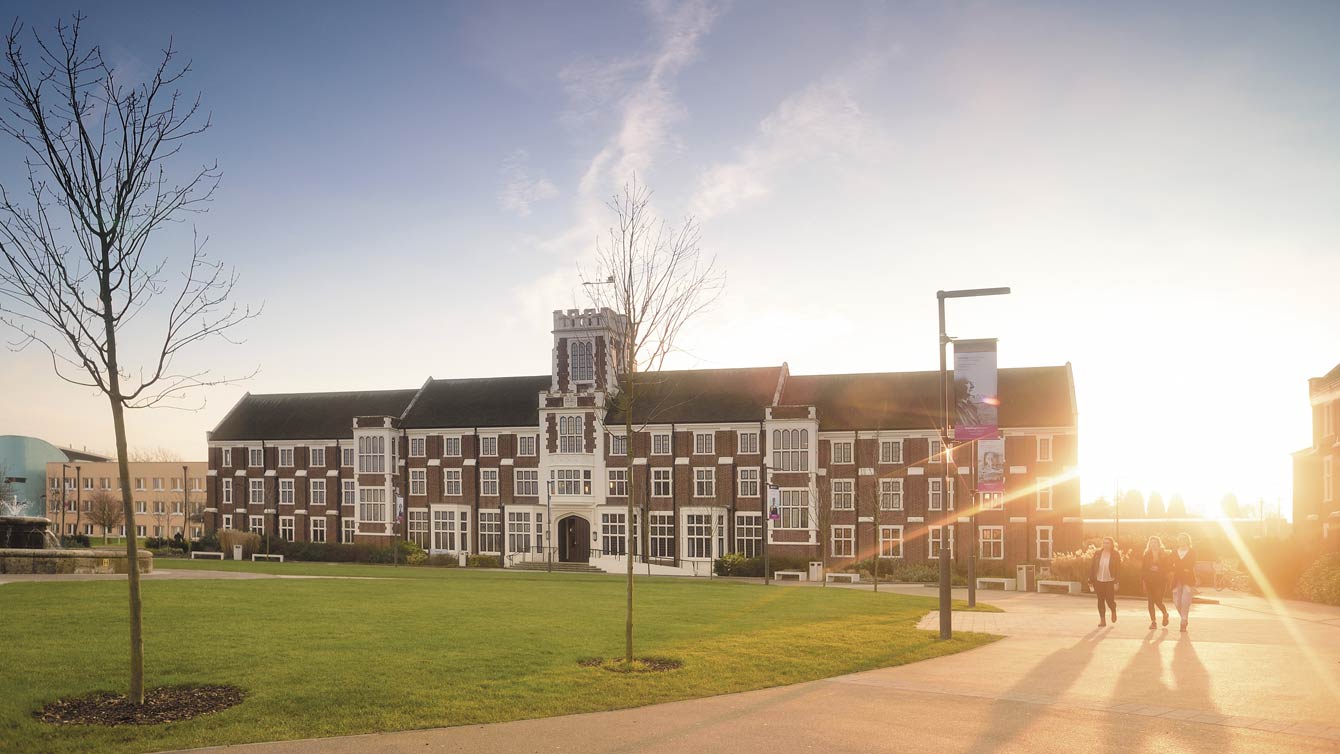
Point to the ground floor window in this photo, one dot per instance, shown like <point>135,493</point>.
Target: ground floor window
<point>319,529</point>
<point>749,534</point>
<point>613,534</point>
<point>1044,535</point>
<point>662,535</point>
<point>844,541</point>
<point>490,532</point>
<point>890,541</point>
<point>936,540</point>
<point>372,504</point>
<point>139,530</point>
<point>348,530</point>
<point>991,542</point>
<point>417,527</point>
<point>227,522</point>
<point>698,536</point>
<point>257,524</point>
<point>449,530</point>
<point>286,528</point>
<point>518,531</point>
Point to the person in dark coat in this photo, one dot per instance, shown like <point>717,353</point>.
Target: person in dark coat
<point>1182,569</point>
<point>1104,570</point>
<point>1154,572</point>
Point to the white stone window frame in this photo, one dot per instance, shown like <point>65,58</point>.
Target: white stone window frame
<point>526,482</point>
<point>1049,541</point>
<point>749,528</point>
<point>895,491</point>
<point>316,526</point>
<point>1048,443</point>
<point>348,531</point>
<point>795,502</point>
<point>1044,493</point>
<point>418,447</point>
<point>746,446</point>
<point>418,482</point>
<point>932,491</point>
<point>691,530</point>
<point>227,491</point>
<point>842,452</point>
<point>895,447</point>
<point>227,460</point>
<point>348,492</point>
<point>451,446</point>
<point>885,539</point>
<point>664,441</point>
<point>489,479</point>
<point>316,457</point>
<point>618,444</point>
<point>991,547</point>
<point>704,443</point>
<point>617,487</point>
<point>662,475</point>
<point>286,456</point>
<point>252,496</point>
<point>255,457</point>
<point>347,455</point>
<point>991,501</point>
<point>586,361</point>
<point>748,480</point>
<point>490,519</point>
<point>452,479</point>
<point>526,445</point>
<point>288,492</point>
<point>287,528</point>
<point>847,494</point>
<point>316,492</point>
<point>842,541</point>
<point>935,541</point>
<point>256,523</point>
<point>572,433</point>
<point>488,446</point>
<point>227,523</point>
<point>705,475</point>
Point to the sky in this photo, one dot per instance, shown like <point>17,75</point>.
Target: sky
<point>409,189</point>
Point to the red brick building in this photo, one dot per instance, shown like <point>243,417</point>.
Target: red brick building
<point>481,464</point>
<point>1316,469</point>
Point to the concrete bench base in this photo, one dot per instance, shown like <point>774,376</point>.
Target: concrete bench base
<point>848,578</point>
<point>1005,585</point>
<point>1060,587</point>
<point>198,555</point>
<point>259,556</point>
<point>789,575</point>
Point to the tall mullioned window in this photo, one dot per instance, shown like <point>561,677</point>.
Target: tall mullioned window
<point>490,531</point>
<point>791,450</point>
<point>372,504</point>
<point>795,509</point>
<point>583,361</point>
<point>571,431</point>
<point>371,454</point>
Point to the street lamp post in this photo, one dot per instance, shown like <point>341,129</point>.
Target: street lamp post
<point>767,530</point>
<point>549,526</point>
<point>946,593</point>
<point>64,499</point>
<point>186,512</point>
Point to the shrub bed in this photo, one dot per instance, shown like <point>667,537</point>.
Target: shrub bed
<point>1321,581</point>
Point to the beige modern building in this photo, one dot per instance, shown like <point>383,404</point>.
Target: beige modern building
<point>168,496</point>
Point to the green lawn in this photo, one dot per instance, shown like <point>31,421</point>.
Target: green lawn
<point>423,647</point>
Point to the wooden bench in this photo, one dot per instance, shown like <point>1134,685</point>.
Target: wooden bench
<point>850,578</point>
<point>197,555</point>
<point>262,556</point>
<point>1059,587</point>
<point>1004,585</point>
<point>791,575</point>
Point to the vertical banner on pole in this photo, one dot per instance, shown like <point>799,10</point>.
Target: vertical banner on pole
<point>774,504</point>
<point>991,465</point>
<point>976,401</point>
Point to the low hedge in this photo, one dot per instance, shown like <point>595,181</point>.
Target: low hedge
<point>1321,581</point>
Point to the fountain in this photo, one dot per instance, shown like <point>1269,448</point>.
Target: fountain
<point>27,545</point>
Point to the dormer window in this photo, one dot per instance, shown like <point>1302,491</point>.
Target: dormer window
<point>582,361</point>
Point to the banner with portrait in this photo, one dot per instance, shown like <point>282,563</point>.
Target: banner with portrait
<point>976,402</point>
<point>991,465</point>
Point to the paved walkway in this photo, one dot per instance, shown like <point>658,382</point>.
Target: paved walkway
<point>1247,678</point>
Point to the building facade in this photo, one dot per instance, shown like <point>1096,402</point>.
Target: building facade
<point>23,464</point>
<point>169,498</point>
<point>490,466</point>
<point>1316,469</point>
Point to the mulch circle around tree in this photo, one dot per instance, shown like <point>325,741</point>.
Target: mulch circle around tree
<point>639,665</point>
<point>166,704</point>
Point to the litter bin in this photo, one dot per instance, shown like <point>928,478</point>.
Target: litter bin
<point>1026,578</point>
<point>816,570</point>
<point>237,552</point>
<point>460,559</point>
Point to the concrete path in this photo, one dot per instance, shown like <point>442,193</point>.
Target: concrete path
<point>1247,678</point>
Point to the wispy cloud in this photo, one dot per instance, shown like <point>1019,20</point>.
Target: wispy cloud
<point>822,121</point>
<point>520,189</point>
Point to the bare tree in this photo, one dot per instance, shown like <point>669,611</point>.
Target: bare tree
<point>153,455</point>
<point>657,278</point>
<point>106,511</point>
<point>73,269</point>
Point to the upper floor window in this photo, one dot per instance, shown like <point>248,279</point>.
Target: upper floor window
<point>890,451</point>
<point>704,443</point>
<point>1044,494</point>
<point>488,482</point>
<point>571,430</point>
<point>705,482</point>
<point>1044,447</point>
<point>371,454</point>
<point>991,501</point>
<point>255,457</point>
<point>844,494</point>
<point>936,498</point>
<point>890,494</point>
<point>790,450</point>
<point>316,457</point>
<point>572,482</point>
<point>583,361</point>
<point>841,451</point>
<point>346,457</point>
<point>748,482</point>
<point>660,443</point>
<point>794,508</point>
<point>748,442</point>
<point>286,457</point>
<point>618,445</point>
<point>227,456</point>
<point>417,446</point>
<point>525,445</point>
<point>451,446</point>
<point>488,445</point>
<point>418,482</point>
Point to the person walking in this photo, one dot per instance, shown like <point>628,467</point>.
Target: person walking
<point>1104,569</point>
<point>1183,572</point>
<point>1154,572</point>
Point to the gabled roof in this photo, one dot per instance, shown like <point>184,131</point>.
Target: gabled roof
<point>307,416</point>
<point>701,396</point>
<point>479,402</point>
<point>1030,397</point>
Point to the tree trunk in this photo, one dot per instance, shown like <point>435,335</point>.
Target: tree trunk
<point>136,693</point>
<point>628,449</point>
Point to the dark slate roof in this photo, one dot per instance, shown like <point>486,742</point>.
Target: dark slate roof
<point>1030,397</point>
<point>307,416</point>
<point>701,395</point>
<point>480,402</point>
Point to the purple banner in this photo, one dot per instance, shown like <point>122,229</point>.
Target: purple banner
<point>976,403</point>
<point>991,465</point>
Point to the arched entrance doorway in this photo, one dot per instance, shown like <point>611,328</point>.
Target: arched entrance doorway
<point>574,540</point>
